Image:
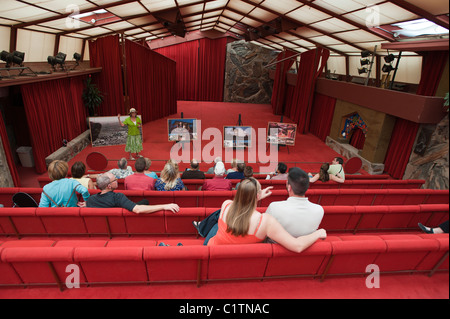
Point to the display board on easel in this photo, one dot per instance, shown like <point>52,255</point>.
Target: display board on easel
<point>281,133</point>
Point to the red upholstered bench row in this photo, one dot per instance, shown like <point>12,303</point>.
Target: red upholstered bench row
<point>111,222</point>
<point>47,262</point>
<point>324,197</point>
<point>195,184</point>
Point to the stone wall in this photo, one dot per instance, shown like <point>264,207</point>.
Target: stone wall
<point>430,162</point>
<point>246,78</point>
<point>73,148</point>
<point>5,175</point>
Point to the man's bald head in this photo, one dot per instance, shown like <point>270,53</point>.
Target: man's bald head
<point>104,180</point>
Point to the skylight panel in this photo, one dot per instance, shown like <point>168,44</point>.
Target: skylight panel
<point>158,5</point>
<point>281,6</point>
<point>129,9</point>
<point>419,27</point>
<point>308,15</point>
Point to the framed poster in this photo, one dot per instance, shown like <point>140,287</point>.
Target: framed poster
<point>237,136</point>
<point>182,129</point>
<point>106,130</point>
<point>281,133</point>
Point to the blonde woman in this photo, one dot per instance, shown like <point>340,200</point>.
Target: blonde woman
<point>170,178</point>
<point>241,223</point>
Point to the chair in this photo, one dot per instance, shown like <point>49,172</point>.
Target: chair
<point>353,165</point>
<point>97,161</point>
<point>23,200</point>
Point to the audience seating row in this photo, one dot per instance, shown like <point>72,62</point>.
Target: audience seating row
<point>195,184</point>
<point>324,197</point>
<point>22,222</point>
<point>33,263</point>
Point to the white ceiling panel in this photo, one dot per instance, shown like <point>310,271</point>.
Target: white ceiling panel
<point>158,5</point>
<point>308,15</point>
<point>129,9</point>
<point>281,6</point>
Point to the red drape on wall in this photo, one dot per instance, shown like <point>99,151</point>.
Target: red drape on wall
<point>200,68</point>
<point>151,79</point>
<point>279,84</point>
<point>311,66</point>
<point>322,115</point>
<point>54,111</point>
<point>186,57</point>
<point>106,53</point>
<point>400,147</point>
<point>358,139</point>
<point>8,153</point>
<point>432,69</point>
<point>211,69</point>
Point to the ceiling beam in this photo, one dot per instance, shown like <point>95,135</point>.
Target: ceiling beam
<point>385,35</point>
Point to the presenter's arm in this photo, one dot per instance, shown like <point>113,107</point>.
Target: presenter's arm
<point>121,124</point>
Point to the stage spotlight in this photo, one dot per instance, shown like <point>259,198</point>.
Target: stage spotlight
<point>77,57</point>
<point>389,58</point>
<point>387,68</point>
<point>365,53</point>
<point>60,58</point>
<point>52,61</point>
<point>6,56</point>
<point>12,58</point>
<point>365,62</point>
<point>362,70</point>
<point>18,57</point>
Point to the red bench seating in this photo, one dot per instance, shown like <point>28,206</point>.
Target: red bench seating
<point>43,262</point>
<point>195,184</point>
<point>111,222</point>
<point>324,197</point>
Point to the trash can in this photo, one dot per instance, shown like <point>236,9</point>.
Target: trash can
<point>26,156</point>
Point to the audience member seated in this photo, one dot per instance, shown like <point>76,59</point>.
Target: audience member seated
<point>218,182</point>
<point>239,174</point>
<point>297,214</point>
<point>193,172</point>
<point>147,171</point>
<point>324,176</point>
<point>233,166</point>
<point>441,229</point>
<point>280,174</point>
<point>61,192</point>
<point>107,198</point>
<point>123,170</point>
<point>170,179</point>
<point>78,171</point>
<point>248,172</point>
<point>211,169</point>
<point>241,223</point>
<point>138,180</point>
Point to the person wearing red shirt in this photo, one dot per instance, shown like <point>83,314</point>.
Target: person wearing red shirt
<point>218,183</point>
<point>139,180</point>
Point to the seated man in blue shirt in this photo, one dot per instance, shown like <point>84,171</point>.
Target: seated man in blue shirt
<point>107,198</point>
<point>239,174</point>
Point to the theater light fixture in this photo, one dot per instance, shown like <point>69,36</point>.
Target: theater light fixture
<point>389,58</point>
<point>362,70</point>
<point>365,53</point>
<point>16,57</point>
<point>387,68</point>
<point>60,59</point>
<point>365,62</point>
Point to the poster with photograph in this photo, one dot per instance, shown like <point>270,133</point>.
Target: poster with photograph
<point>237,136</point>
<point>281,133</point>
<point>106,130</point>
<point>182,129</point>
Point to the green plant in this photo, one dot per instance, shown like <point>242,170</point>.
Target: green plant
<point>92,97</point>
<point>446,103</point>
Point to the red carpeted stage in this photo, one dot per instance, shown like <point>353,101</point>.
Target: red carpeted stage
<point>308,152</point>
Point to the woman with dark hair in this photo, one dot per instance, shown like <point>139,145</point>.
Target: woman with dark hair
<point>240,222</point>
<point>324,176</point>
<point>78,170</point>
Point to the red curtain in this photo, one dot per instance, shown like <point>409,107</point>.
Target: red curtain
<point>400,147</point>
<point>186,57</point>
<point>106,53</point>
<point>211,69</point>
<point>151,79</point>
<point>432,69</point>
<point>279,84</point>
<point>358,139</point>
<point>311,66</point>
<point>8,153</point>
<point>322,115</point>
<point>54,111</point>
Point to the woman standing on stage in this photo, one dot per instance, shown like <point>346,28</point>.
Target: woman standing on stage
<point>134,140</point>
